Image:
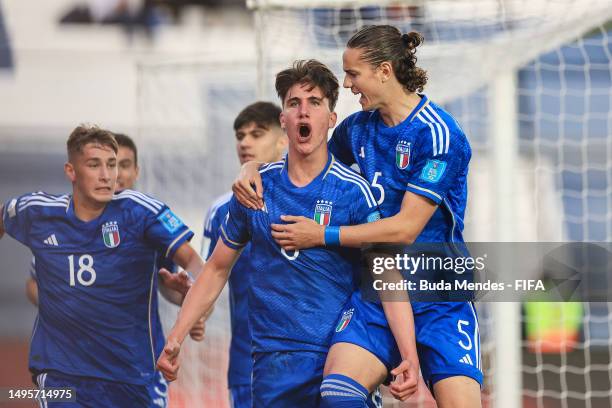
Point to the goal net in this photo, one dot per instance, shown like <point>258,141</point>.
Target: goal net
<point>528,81</point>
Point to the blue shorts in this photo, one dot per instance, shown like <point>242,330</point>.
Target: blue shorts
<point>158,391</point>
<point>94,392</point>
<point>240,396</point>
<point>287,379</point>
<point>447,337</point>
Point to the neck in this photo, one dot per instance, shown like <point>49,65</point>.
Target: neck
<point>398,106</point>
<point>302,169</point>
<point>86,210</point>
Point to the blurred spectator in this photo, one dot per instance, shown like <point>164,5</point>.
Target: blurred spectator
<point>6,56</point>
<point>136,13</point>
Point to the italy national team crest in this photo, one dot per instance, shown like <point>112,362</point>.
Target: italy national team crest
<point>110,234</point>
<point>323,211</point>
<point>345,320</point>
<point>402,154</point>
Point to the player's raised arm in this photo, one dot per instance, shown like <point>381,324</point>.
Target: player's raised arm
<point>199,299</point>
<point>243,186</point>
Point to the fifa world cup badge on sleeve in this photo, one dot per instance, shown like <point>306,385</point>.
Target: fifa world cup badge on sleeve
<point>323,211</point>
<point>375,216</point>
<point>402,154</point>
<point>433,170</point>
<point>170,221</point>
<point>11,210</point>
<point>110,234</point>
<point>345,320</point>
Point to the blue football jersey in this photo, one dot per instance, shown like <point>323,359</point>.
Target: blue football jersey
<point>295,297</point>
<point>97,282</point>
<point>240,361</point>
<point>159,340</point>
<point>427,154</point>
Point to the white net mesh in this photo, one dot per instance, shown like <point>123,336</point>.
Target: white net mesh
<point>560,53</point>
<point>187,154</point>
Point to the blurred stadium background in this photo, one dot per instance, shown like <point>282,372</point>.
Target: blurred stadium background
<point>529,81</point>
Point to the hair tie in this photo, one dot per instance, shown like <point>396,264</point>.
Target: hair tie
<point>405,39</point>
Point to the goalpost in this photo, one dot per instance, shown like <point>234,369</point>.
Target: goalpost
<point>528,81</point>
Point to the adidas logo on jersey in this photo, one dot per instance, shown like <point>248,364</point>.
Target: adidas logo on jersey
<point>51,240</point>
<point>466,360</point>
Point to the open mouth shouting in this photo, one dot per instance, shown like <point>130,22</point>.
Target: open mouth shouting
<point>304,131</point>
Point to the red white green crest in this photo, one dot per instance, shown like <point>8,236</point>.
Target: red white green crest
<point>402,154</point>
<point>345,320</point>
<point>323,211</point>
<point>110,234</point>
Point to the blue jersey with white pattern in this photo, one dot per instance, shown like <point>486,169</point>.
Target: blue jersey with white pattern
<point>427,154</point>
<point>159,338</point>
<point>240,362</point>
<point>97,282</point>
<point>295,297</point>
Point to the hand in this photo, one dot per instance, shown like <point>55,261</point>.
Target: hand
<point>301,233</point>
<point>197,331</point>
<point>406,380</point>
<point>243,189</point>
<point>180,282</point>
<point>168,362</point>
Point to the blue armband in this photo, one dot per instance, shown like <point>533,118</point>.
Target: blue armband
<point>332,236</point>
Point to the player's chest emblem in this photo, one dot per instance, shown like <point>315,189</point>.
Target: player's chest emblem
<point>402,154</point>
<point>323,211</point>
<point>344,320</point>
<point>110,234</point>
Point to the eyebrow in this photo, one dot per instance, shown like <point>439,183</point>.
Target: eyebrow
<point>310,98</point>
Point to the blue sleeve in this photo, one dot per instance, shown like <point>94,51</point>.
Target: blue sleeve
<point>17,218</point>
<point>234,230</point>
<point>432,172</point>
<point>340,144</point>
<point>166,231</point>
<point>364,207</point>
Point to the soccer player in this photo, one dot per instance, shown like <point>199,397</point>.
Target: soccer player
<point>127,175</point>
<point>258,137</point>
<point>294,296</point>
<point>95,268</point>
<point>416,156</point>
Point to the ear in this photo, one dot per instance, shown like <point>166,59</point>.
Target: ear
<point>282,142</point>
<point>385,71</point>
<point>137,172</point>
<point>333,117</point>
<point>70,172</point>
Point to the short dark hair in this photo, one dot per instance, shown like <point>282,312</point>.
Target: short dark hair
<point>84,134</point>
<point>311,72</point>
<point>382,43</point>
<point>124,140</point>
<point>263,114</point>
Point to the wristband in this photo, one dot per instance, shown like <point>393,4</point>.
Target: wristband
<point>332,236</point>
